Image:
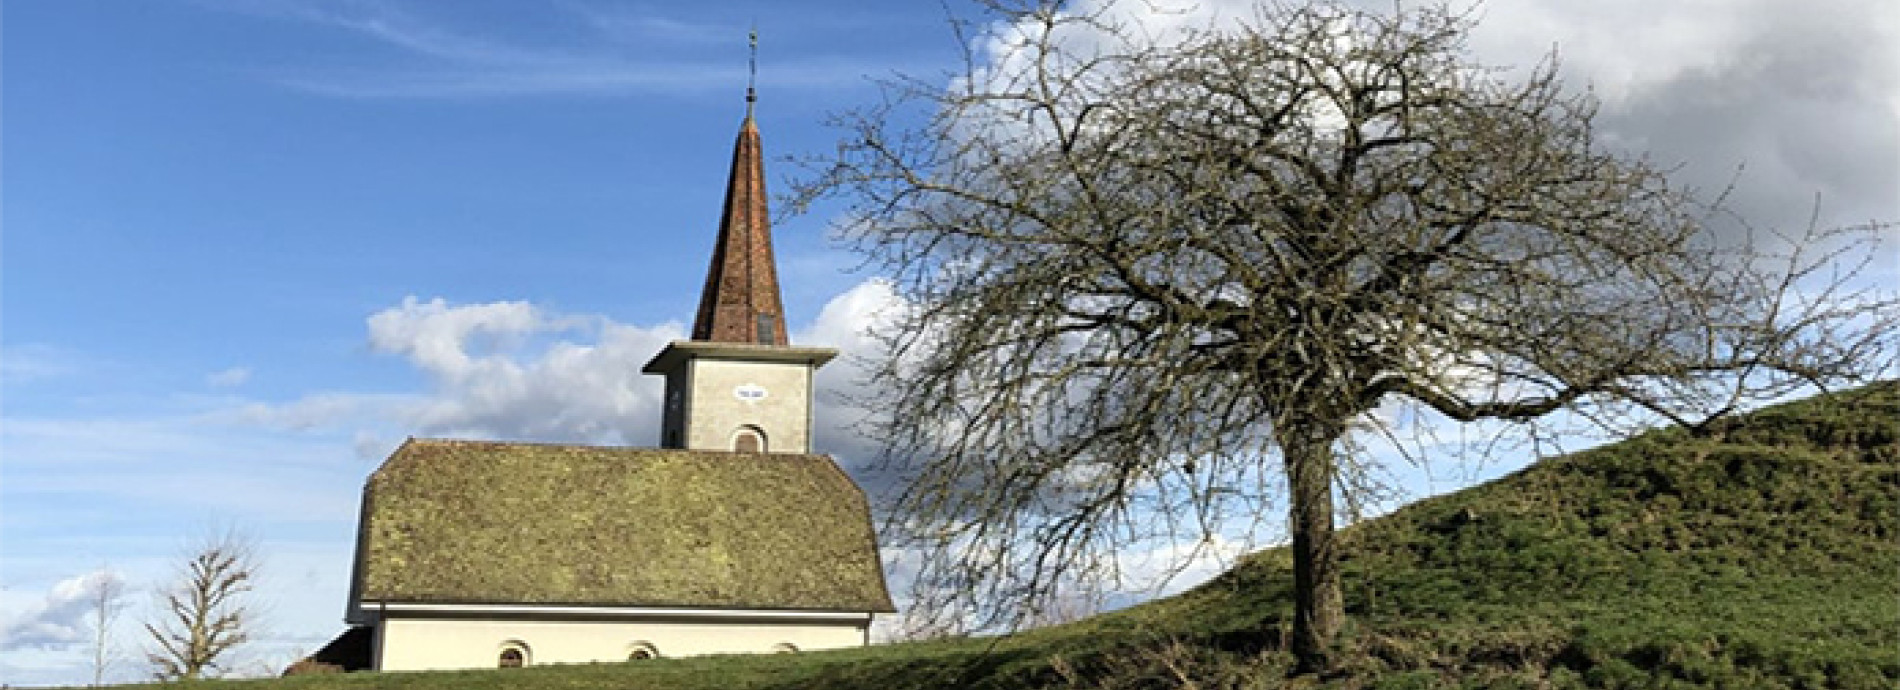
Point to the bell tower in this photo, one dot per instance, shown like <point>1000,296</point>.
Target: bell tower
<point>738,384</point>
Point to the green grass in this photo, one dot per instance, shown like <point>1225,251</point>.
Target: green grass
<point>1763,554</point>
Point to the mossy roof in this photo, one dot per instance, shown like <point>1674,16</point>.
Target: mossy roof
<point>516,523</point>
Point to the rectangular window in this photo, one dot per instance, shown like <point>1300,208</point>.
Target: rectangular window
<point>765,329</point>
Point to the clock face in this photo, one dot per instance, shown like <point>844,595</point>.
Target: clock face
<point>750,392</point>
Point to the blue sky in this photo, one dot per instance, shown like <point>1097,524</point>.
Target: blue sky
<point>249,246</point>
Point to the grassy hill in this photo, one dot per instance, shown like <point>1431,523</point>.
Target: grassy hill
<point>1761,554</point>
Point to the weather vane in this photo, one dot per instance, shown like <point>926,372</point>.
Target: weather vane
<point>752,73</point>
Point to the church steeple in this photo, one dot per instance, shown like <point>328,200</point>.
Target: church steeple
<point>740,302</point>
<point>739,385</point>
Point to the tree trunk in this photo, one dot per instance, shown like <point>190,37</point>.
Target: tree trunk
<point>1318,610</point>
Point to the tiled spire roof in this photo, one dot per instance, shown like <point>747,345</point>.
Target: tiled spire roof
<point>741,301</point>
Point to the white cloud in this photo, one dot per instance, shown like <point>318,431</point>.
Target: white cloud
<point>603,51</point>
<point>32,362</point>
<point>498,370</point>
<point>324,410</point>
<point>61,617</point>
<point>296,607</point>
<point>513,370</point>
<point>1789,100</point>
<point>639,26</point>
<point>229,378</point>
<point>1168,569</point>
<point>1801,98</point>
<point>849,322</point>
<point>371,446</point>
<point>68,475</point>
<point>388,24</point>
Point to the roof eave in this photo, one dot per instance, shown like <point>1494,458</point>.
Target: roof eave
<point>679,351</point>
<point>376,610</point>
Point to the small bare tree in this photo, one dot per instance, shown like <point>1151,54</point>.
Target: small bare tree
<point>204,613</point>
<point>105,598</point>
<point>1153,284</point>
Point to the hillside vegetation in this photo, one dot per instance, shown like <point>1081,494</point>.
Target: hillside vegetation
<point>1761,553</point>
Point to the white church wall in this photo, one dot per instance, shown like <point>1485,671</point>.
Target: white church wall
<point>728,394</point>
<point>417,644</point>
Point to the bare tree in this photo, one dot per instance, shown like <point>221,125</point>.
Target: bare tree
<point>204,613</point>
<point>105,598</point>
<point>1149,280</point>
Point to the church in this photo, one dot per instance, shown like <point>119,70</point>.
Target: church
<point>732,537</point>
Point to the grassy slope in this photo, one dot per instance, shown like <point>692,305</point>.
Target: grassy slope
<point>1762,556</point>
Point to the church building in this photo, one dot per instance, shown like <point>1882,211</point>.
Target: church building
<point>732,537</point>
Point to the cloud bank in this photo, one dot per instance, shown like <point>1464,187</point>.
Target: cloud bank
<point>62,617</point>
<point>1793,103</point>
<point>518,371</point>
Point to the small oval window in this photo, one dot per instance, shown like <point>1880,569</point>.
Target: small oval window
<point>750,392</point>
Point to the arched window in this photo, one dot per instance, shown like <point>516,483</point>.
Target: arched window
<point>749,439</point>
<point>642,651</point>
<point>514,654</point>
<point>784,648</point>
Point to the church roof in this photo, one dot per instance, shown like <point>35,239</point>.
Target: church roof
<point>740,302</point>
<point>473,522</point>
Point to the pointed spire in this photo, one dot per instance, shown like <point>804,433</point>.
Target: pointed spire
<point>740,303</point>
